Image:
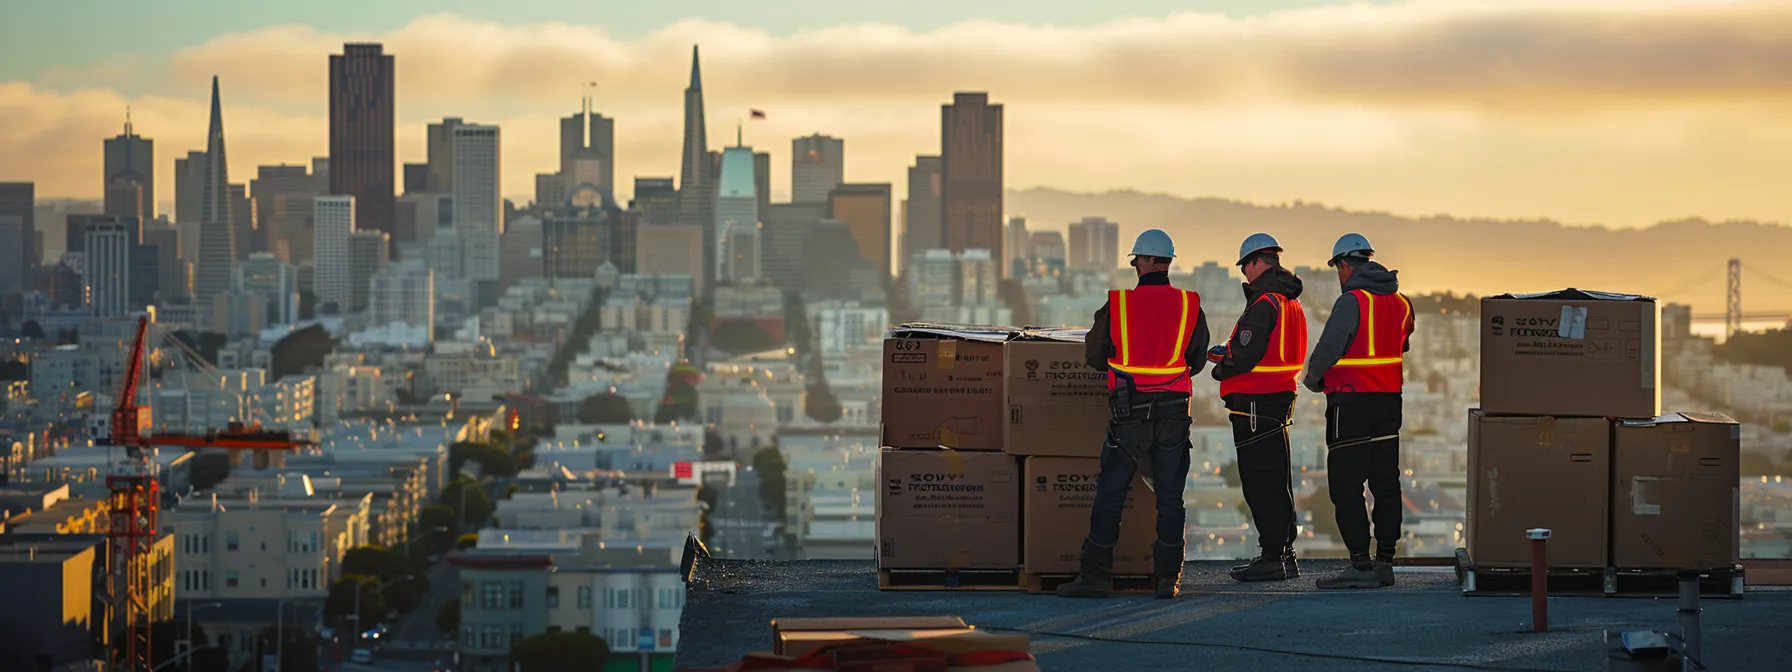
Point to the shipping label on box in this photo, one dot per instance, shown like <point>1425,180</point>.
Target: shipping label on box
<point>943,392</point>
<point>1570,354</point>
<point>939,509</point>
<point>1674,493</point>
<point>1057,404</point>
<point>1060,493</point>
<point>1538,471</point>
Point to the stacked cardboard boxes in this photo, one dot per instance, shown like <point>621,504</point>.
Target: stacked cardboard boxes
<point>1570,437</point>
<point>988,433</point>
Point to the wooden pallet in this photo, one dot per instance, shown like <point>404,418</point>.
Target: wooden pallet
<point>1580,582</point>
<point>951,579</point>
<point>1120,583</point>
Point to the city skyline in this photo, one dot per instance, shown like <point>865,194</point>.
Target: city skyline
<point>1259,109</point>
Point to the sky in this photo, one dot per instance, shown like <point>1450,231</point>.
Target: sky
<point>1614,112</point>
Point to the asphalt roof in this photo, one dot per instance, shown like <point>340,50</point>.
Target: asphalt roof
<point>1424,622</point>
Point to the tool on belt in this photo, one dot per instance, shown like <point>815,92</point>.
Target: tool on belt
<point>1121,405</point>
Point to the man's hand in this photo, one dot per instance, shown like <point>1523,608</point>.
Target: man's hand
<point>1315,384</point>
<point>1217,353</point>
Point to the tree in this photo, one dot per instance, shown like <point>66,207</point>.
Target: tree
<point>376,561</point>
<point>607,408</point>
<point>1757,463</point>
<point>820,404</point>
<point>561,652</point>
<point>297,652</point>
<point>340,605</point>
<point>168,634</point>
<point>710,498</point>
<point>467,541</point>
<point>448,617</point>
<point>680,402</point>
<point>434,516</point>
<point>739,336</point>
<point>403,594</point>
<point>478,504</point>
<point>769,464</point>
<point>31,330</point>
<point>713,444</point>
<point>493,459</point>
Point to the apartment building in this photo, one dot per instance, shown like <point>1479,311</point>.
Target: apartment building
<point>251,546</point>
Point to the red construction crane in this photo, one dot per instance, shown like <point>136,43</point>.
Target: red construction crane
<point>136,498</point>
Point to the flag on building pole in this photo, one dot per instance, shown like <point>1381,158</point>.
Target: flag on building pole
<point>757,114</point>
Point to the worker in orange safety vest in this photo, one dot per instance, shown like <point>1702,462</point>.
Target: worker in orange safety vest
<point>1358,364</point>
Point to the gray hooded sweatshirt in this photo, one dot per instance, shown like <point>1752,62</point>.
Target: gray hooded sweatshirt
<point>1340,329</point>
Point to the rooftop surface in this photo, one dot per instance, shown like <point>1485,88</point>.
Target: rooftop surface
<point>1423,623</point>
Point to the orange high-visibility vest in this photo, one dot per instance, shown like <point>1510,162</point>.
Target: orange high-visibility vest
<point>1373,362</point>
<point>1151,327</point>
<point>1287,353</point>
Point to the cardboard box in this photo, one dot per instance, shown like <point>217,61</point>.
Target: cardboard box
<point>942,392</point>
<point>957,640</point>
<point>1538,471</point>
<point>1060,492</point>
<point>1674,492</point>
<point>1057,405</point>
<point>1571,353</point>
<point>940,509</point>
<point>785,625</point>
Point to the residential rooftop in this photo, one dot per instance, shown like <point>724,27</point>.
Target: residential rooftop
<point>1425,622</point>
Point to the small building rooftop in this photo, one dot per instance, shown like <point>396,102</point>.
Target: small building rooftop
<point>1423,623</point>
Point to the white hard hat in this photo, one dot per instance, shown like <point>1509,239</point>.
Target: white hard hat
<point>1353,244</point>
<point>1258,242</point>
<point>1154,243</point>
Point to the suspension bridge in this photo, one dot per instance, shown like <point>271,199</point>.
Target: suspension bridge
<point>1734,316</point>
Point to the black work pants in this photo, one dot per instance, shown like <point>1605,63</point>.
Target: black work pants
<point>1362,438</point>
<point>1260,431</point>
<point>1162,439</point>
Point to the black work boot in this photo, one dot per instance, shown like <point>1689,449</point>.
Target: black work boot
<point>1097,573</point>
<point>1268,566</point>
<point>1360,574</point>
<point>1167,564</point>
<point>1384,569</point>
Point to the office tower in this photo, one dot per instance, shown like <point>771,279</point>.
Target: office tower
<point>921,216</point>
<point>1019,245</point>
<point>361,137</point>
<point>574,244</point>
<point>785,240</point>
<point>125,198</point>
<point>817,165</point>
<point>1094,244</point>
<point>657,201</point>
<point>737,211</point>
<point>762,182</point>
<point>276,281</point>
<point>171,271</point>
<point>590,136</point>
<point>971,174</point>
<point>835,269</point>
<point>520,252</point>
<point>18,236</point>
<point>334,221</point>
<point>217,229</point>
<point>368,251</point>
<point>416,178</point>
<point>131,160</point>
<point>865,210</point>
<point>283,197</point>
<point>477,206</point>
<point>741,244</point>
<point>426,214</point>
<point>242,214</point>
<point>550,190</point>
<point>107,275</point>
<point>189,190</point>
<point>696,194</point>
<point>1048,254</point>
<point>440,141</point>
<point>405,293</point>
<point>669,249</point>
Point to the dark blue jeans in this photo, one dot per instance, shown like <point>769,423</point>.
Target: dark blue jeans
<point>1165,440</point>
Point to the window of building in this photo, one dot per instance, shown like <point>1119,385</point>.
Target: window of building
<point>230,578</point>
<point>516,633</point>
<point>584,597</point>
<point>230,541</point>
<point>609,598</point>
<point>467,640</point>
<point>491,595</point>
<point>665,638</point>
<point>491,636</point>
<point>516,595</point>
<point>466,595</point>
<point>553,597</point>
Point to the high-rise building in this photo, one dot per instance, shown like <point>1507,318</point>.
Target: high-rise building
<point>737,212</point>
<point>550,190</point>
<point>242,214</point>
<point>334,218</point>
<point>130,174</point>
<point>1094,244</point>
<point>835,268</point>
<point>405,293</point>
<point>520,251</point>
<point>416,178</point>
<point>669,249</point>
<point>18,236</point>
<point>817,165</point>
<point>440,141</point>
<point>575,242</point>
<point>477,206</point>
<point>217,228</point>
<point>361,132</point>
<point>276,281</point>
<point>696,194</point>
<point>785,240</point>
<point>1048,253</point>
<point>657,201</point>
<point>762,182</point>
<point>367,254</point>
<point>1019,245</point>
<point>590,136</point>
<point>865,210</point>
<point>921,212</point>
<point>107,275</point>
<point>283,197</point>
<point>971,174</point>
<point>171,270</point>
<point>189,190</point>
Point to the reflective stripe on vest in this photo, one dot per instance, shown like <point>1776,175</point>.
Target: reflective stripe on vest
<point>1281,364</point>
<point>1373,361</point>
<point>1138,319</point>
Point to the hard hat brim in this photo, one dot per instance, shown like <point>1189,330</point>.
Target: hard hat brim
<point>1247,255</point>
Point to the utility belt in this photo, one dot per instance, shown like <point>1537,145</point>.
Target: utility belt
<point>1258,421</point>
<point>1360,442</point>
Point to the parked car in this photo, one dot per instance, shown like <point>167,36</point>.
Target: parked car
<point>361,656</point>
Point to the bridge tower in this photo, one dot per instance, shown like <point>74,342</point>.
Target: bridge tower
<point>1733,301</point>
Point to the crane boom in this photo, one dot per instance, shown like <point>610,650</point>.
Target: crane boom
<point>127,416</point>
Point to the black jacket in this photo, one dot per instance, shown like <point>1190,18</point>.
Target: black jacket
<point>1098,345</point>
<point>1340,329</point>
<point>1251,339</point>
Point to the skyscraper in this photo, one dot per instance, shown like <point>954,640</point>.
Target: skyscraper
<point>477,207</point>
<point>108,246</point>
<point>737,217</point>
<point>1019,246</point>
<point>367,254</point>
<point>657,200</point>
<point>594,133</point>
<point>189,190</point>
<point>361,137</point>
<point>283,197</point>
<point>971,174</point>
<point>217,230</point>
<point>171,269</point>
<point>18,235</point>
<point>243,217</point>
<point>817,165</point>
<point>440,141</point>
<point>276,281</point>
<point>696,196</point>
<point>785,240</point>
<point>130,161</point>
<point>921,224</point>
<point>1094,244</point>
<point>335,224</point>
<point>865,210</point>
